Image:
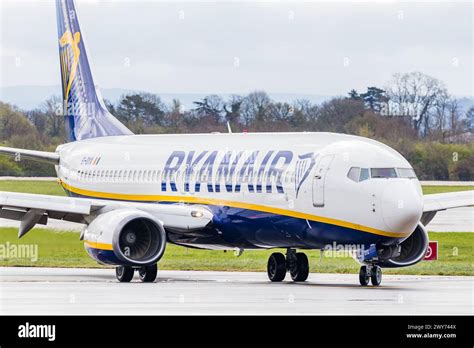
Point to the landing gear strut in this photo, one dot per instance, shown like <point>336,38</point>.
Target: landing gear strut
<point>296,263</point>
<point>372,273</point>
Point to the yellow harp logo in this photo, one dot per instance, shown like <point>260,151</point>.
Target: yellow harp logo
<point>70,45</point>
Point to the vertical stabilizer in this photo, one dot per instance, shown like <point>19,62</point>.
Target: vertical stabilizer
<point>85,112</point>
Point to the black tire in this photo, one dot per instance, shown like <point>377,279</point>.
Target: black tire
<point>148,273</point>
<point>363,276</point>
<point>300,271</point>
<point>124,274</point>
<point>376,276</point>
<point>276,267</point>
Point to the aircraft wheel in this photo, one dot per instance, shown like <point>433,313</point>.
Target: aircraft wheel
<point>276,267</point>
<point>124,274</point>
<point>364,276</point>
<point>376,276</point>
<point>148,273</point>
<point>300,269</point>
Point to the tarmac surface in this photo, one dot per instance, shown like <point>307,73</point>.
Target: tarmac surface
<point>96,291</point>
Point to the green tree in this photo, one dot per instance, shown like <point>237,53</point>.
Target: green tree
<point>374,98</point>
<point>141,109</point>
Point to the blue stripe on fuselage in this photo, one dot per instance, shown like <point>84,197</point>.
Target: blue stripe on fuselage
<point>245,228</point>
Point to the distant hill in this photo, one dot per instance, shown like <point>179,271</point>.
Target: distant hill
<point>30,97</point>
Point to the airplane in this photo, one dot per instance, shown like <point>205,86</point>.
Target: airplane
<point>236,191</point>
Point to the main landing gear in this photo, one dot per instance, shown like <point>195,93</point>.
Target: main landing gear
<point>370,273</point>
<point>147,274</point>
<point>296,263</point>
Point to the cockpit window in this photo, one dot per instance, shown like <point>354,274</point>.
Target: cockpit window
<point>406,173</point>
<point>354,174</point>
<point>358,174</point>
<point>383,173</point>
<point>364,174</point>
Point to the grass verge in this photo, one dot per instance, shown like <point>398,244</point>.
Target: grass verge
<point>442,189</point>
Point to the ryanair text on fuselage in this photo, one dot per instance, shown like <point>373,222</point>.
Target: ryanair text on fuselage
<point>239,164</point>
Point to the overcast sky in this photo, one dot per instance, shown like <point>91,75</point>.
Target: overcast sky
<point>322,48</point>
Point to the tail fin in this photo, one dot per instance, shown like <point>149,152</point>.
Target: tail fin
<point>85,112</point>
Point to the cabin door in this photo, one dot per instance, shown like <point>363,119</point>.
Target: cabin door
<point>319,180</point>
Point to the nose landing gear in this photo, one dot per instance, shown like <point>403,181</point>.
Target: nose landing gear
<point>372,273</point>
<point>296,263</point>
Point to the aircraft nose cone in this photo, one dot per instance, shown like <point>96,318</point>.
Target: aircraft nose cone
<point>402,206</point>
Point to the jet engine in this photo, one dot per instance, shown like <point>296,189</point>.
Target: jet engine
<point>125,237</point>
<point>412,250</point>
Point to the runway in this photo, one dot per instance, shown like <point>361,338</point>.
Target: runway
<point>96,291</point>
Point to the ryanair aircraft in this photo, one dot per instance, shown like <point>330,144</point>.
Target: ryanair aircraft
<point>136,193</point>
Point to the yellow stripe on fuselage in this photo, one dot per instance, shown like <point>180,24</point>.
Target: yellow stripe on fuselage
<point>233,204</point>
<point>95,245</point>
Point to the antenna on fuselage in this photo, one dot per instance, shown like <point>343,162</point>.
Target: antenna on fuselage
<point>228,127</point>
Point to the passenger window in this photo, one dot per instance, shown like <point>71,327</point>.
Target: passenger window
<point>364,174</point>
<point>354,173</point>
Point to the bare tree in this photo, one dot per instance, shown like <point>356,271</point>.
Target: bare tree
<point>255,107</point>
<point>415,94</point>
<point>455,123</point>
<point>280,111</point>
<point>210,106</point>
<point>336,113</point>
<point>470,119</point>
<point>232,109</point>
<point>52,110</point>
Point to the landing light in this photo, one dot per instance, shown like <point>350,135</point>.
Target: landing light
<point>196,214</point>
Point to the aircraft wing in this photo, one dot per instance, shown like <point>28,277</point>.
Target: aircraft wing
<point>19,154</point>
<point>32,209</point>
<point>442,201</point>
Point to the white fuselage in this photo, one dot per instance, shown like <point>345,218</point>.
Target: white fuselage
<point>296,175</point>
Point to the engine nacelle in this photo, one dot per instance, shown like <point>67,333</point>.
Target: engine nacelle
<point>125,237</point>
<point>412,250</point>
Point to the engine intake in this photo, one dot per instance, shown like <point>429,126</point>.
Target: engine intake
<point>136,237</point>
<point>140,241</point>
<point>409,252</point>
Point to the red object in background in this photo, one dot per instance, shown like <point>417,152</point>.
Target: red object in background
<point>432,251</point>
